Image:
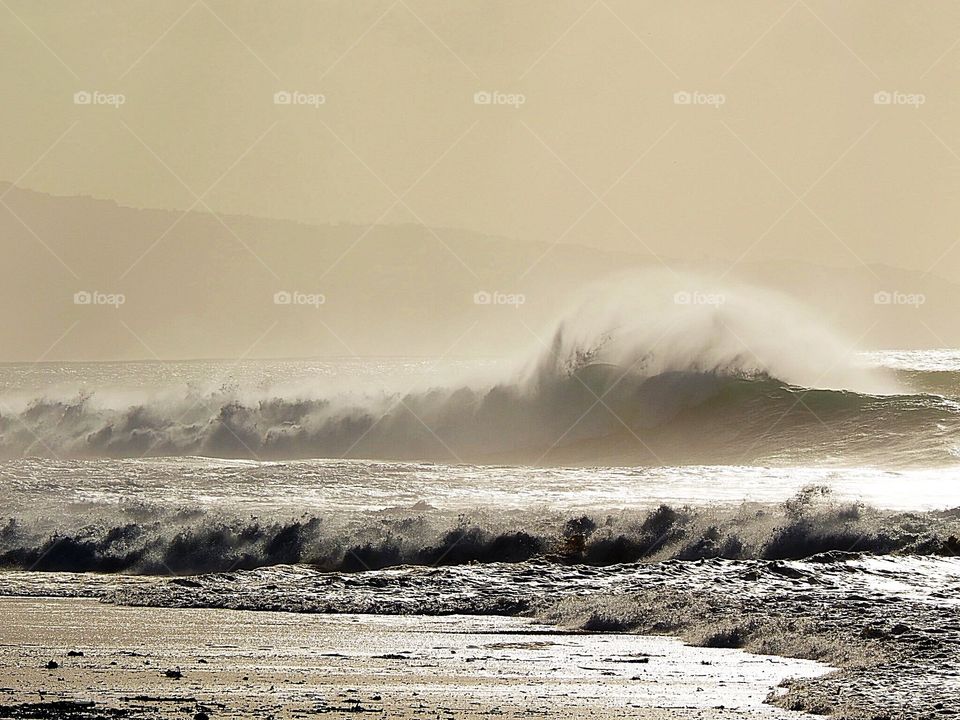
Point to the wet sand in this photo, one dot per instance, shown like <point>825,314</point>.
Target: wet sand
<point>142,662</point>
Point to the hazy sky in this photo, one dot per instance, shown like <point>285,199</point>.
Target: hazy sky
<point>797,162</point>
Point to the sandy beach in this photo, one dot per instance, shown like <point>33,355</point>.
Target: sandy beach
<point>183,663</point>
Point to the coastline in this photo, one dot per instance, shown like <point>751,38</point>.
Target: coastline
<point>888,626</point>
<point>242,664</point>
<point>896,654</point>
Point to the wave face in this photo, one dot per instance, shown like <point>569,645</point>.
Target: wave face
<point>193,540</point>
<point>472,571</point>
<point>672,418</point>
<point>634,373</point>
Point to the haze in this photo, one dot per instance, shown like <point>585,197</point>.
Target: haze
<point>431,151</point>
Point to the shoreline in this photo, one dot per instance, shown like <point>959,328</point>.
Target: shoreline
<point>888,625</point>
<point>142,662</point>
<point>895,656</point>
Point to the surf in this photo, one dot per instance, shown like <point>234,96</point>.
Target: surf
<point>646,369</point>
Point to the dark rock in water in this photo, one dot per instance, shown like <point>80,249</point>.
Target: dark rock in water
<point>785,570</point>
<point>183,582</point>
<point>75,653</point>
<point>831,556</point>
<point>53,665</point>
<point>899,629</point>
<point>201,716</point>
<point>63,710</point>
<point>174,673</point>
<point>873,632</point>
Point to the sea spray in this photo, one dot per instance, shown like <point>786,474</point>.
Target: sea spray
<point>627,375</point>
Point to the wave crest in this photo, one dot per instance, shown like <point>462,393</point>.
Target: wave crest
<point>629,375</point>
<point>191,541</point>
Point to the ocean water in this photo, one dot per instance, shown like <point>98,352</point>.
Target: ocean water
<point>121,466</point>
<point>554,487</point>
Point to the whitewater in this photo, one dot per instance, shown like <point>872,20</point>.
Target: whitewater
<point>712,463</point>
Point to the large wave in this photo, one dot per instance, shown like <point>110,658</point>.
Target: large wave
<point>193,540</point>
<point>645,369</point>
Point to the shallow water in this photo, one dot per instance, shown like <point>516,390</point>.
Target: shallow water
<point>513,588</point>
<point>353,485</point>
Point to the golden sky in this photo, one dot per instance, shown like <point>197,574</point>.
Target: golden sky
<point>783,152</point>
<point>531,147</point>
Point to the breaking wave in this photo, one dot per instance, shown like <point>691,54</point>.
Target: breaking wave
<point>198,541</point>
<point>637,372</point>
